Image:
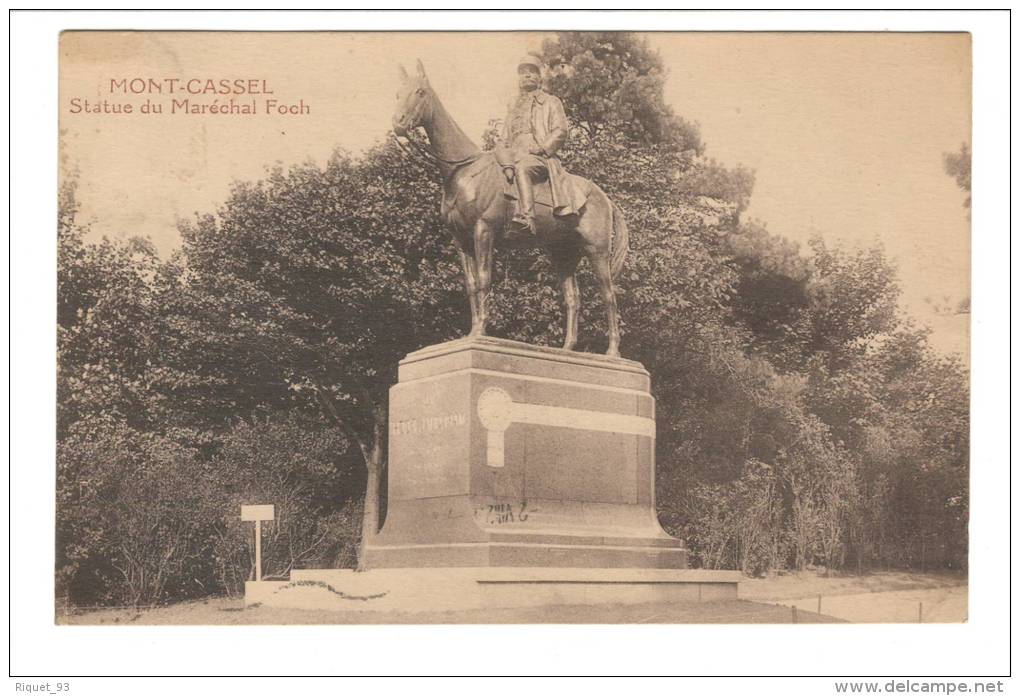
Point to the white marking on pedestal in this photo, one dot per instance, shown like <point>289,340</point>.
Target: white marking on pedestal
<point>498,411</point>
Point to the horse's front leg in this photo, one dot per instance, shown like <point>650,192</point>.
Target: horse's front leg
<point>467,261</point>
<point>483,274</point>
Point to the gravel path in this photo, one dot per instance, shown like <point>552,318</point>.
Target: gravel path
<point>945,605</point>
<point>222,611</point>
<point>881,597</point>
<point>887,597</point>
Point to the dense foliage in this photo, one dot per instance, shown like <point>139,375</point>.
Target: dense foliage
<point>957,165</point>
<point>802,419</point>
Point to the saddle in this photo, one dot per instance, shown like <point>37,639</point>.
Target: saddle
<point>578,186</point>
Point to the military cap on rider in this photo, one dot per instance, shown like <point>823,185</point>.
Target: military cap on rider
<point>530,60</point>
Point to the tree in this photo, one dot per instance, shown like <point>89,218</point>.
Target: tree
<point>852,300</point>
<point>957,165</point>
<point>107,323</point>
<point>613,82</point>
<point>925,408</point>
<point>771,291</point>
<point>324,278</point>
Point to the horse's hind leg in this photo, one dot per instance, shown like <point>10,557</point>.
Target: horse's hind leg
<point>599,260</point>
<point>565,265</point>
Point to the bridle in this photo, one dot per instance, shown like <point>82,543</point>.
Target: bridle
<point>415,151</point>
<point>422,153</point>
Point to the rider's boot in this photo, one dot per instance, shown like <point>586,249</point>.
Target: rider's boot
<point>524,218</point>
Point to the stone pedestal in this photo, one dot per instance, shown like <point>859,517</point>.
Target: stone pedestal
<point>503,454</point>
<point>519,476</point>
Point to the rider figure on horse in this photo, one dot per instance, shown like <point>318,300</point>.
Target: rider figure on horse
<point>576,218</point>
<point>535,129</point>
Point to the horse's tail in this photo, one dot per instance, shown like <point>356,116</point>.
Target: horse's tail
<point>620,241</point>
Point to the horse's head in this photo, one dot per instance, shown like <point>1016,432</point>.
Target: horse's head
<point>414,101</point>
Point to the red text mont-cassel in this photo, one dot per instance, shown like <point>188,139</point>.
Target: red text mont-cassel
<point>195,85</point>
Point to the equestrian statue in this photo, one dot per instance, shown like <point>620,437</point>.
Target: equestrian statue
<point>518,194</point>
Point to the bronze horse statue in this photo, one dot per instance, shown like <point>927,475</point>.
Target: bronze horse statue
<point>476,210</point>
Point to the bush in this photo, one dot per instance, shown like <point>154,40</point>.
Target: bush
<point>738,524</point>
<point>145,519</point>
<point>293,466</point>
<point>132,517</point>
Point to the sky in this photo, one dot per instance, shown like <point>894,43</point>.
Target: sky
<point>845,132</point>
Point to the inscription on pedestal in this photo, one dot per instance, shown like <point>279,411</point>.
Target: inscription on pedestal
<point>429,424</point>
<point>503,513</point>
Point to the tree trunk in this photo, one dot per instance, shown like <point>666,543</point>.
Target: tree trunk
<point>373,450</point>
<point>375,466</point>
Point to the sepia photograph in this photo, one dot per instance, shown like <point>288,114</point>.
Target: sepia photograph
<point>520,339</point>
<point>546,327</point>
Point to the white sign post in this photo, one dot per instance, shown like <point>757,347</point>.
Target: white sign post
<point>257,513</point>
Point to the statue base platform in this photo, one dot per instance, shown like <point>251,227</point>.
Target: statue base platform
<point>503,454</point>
<point>419,590</point>
<point>519,476</point>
